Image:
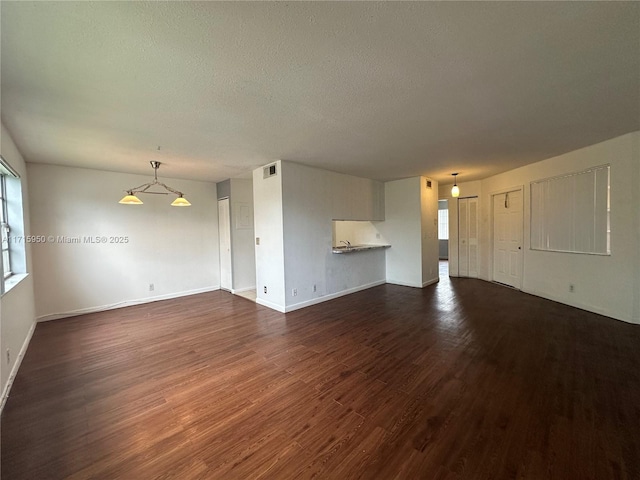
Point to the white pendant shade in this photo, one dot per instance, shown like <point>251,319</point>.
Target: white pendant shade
<point>455,191</point>
<point>180,202</point>
<point>130,200</point>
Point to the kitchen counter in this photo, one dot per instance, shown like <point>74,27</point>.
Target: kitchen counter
<point>357,248</point>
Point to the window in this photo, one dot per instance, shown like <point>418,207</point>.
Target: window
<point>4,226</point>
<point>13,259</point>
<point>571,213</point>
<point>443,220</point>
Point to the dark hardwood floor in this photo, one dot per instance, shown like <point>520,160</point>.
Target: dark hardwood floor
<point>464,379</point>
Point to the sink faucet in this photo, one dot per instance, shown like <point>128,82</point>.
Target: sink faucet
<point>347,243</point>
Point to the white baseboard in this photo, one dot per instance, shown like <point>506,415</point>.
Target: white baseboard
<point>430,282</point>
<point>582,306</point>
<point>272,306</point>
<point>16,366</point>
<point>565,301</point>
<point>404,284</point>
<point>414,285</point>
<point>325,298</point>
<point>128,303</point>
<point>240,290</point>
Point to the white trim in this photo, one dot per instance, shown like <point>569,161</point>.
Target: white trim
<point>431,282</point>
<point>6,168</point>
<point>129,303</point>
<point>13,281</point>
<point>16,366</point>
<point>491,230</point>
<point>404,284</point>
<point>580,305</point>
<point>325,298</point>
<point>515,188</point>
<point>272,306</point>
<point>414,285</point>
<point>240,290</point>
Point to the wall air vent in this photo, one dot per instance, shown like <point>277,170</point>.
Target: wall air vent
<point>269,171</point>
<point>428,183</point>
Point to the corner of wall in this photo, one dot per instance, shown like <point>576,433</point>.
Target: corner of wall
<point>6,387</point>
<point>17,306</point>
<point>269,237</point>
<point>548,274</point>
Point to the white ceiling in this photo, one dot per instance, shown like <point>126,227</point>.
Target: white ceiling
<point>379,90</point>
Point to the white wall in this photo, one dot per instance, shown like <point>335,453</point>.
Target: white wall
<point>176,249</point>
<point>293,219</point>
<point>223,189</point>
<point>243,255</point>
<point>268,227</point>
<point>312,198</point>
<point>403,230</point>
<point>468,189</point>
<point>17,310</point>
<point>429,219</point>
<point>609,285</point>
<point>409,227</point>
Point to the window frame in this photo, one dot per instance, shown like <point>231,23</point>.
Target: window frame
<point>5,227</point>
<point>565,207</point>
<point>443,224</point>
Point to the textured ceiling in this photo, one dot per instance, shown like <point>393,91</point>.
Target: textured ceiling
<point>380,90</point>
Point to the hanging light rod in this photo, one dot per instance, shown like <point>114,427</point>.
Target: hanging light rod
<point>455,191</point>
<point>131,199</point>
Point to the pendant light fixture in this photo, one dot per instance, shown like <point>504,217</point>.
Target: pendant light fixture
<point>455,191</point>
<point>131,199</point>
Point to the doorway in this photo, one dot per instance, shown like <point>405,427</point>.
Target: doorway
<point>443,229</point>
<point>224,237</point>
<point>507,238</point>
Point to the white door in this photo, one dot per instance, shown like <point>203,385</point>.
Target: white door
<point>507,238</point>
<point>224,234</point>
<point>468,237</point>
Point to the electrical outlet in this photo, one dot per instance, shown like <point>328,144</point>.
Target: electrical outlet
<point>151,287</point>
<point>294,292</point>
<point>8,355</point>
<point>314,287</point>
<point>265,289</point>
<point>257,240</point>
<point>572,288</point>
<point>378,236</point>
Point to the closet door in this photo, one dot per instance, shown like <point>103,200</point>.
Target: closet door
<point>472,240</point>
<point>224,233</point>
<point>468,237</point>
<point>507,238</point>
<point>463,237</point>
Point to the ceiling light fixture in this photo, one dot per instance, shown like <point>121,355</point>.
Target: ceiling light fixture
<point>455,191</point>
<point>131,199</point>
